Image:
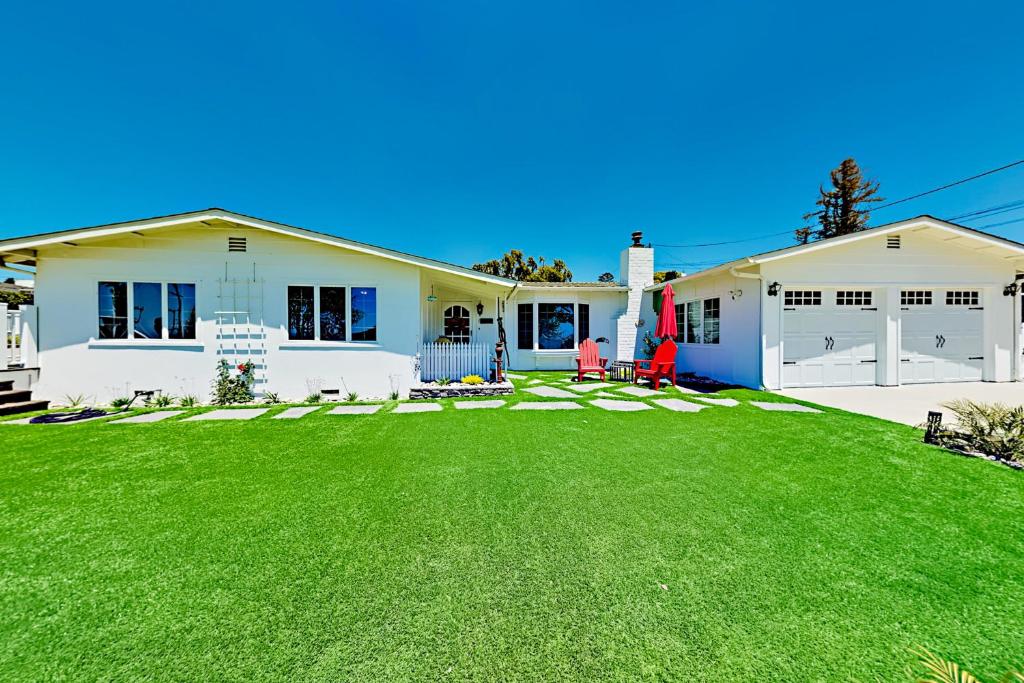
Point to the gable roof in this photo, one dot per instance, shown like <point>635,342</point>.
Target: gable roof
<point>18,245</point>
<point>922,222</point>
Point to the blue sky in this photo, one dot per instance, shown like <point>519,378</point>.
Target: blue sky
<point>460,130</point>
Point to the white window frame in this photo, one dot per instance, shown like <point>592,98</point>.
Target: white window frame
<point>681,336</point>
<point>165,329</point>
<point>575,302</point>
<point>316,340</point>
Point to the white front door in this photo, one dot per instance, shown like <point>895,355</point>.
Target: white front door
<point>941,336</point>
<point>829,338</point>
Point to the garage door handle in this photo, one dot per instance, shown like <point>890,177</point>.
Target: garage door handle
<point>976,358</point>
<point>904,360</point>
<point>789,362</point>
<point>869,361</point>
<point>976,308</point>
<point>869,309</point>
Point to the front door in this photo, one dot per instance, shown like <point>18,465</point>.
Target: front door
<point>457,322</point>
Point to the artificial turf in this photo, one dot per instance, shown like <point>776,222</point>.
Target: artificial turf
<point>730,544</point>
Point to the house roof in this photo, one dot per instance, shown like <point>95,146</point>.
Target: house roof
<point>922,222</point>
<point>602,286</point>
<point>20,248</point>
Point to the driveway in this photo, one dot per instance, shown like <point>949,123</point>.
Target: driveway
<point>910,403</point>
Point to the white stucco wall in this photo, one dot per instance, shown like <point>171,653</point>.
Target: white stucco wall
<point>605,309</point>
<point>73,362</point>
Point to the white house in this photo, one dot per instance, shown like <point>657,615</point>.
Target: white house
<point>921,300</point>
<point>155,304</point>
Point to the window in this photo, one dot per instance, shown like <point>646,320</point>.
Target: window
<point>680,322</point>
<point>699,322</point>
<point>456,324</point>
<point>150,304</point>
<point>915,297</point>
<point>332,313</point>
<point>853,298</point>
<point>555,326</point>
<point>300,313</point>
<point>798,297</point>
<point>524,326</point>
<point>693,318</point>
<point>364,314</point>
<point>113,310</point>
<point>181,310</point>
<point>712,317</point>
<point>962,298</point>
<point>583,310</point>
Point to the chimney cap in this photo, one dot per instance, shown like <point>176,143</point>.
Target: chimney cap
<point>637,237</point>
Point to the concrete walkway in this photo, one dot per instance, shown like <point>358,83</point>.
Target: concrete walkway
<point>910,403</point>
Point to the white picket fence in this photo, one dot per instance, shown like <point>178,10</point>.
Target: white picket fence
<point>454,361</point>
<point>11,353</point>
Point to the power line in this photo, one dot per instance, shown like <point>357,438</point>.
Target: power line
<point>877,208</point>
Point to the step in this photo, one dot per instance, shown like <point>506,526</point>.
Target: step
<point>15,395</point>
<point>7,385</point>
<point>23,407</point>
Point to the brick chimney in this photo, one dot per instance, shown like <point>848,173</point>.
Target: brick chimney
<point>636,271</point>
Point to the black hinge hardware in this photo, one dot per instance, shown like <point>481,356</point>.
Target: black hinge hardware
<point>976,358</point>
<point>869,309</point>
<point>869,361</point>
<point>789,362</point>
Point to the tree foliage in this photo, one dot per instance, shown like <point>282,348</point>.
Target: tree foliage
<point>666,275</point>
<point>606,277</point>
<point>517,266</point>
<point>844,208</point>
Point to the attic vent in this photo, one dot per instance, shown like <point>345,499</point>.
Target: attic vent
<point>892,242</point>
<point>236,244</point>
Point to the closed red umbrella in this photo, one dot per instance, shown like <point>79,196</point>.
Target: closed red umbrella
<point>667,315</point>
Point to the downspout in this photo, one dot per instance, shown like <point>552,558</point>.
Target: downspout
<point>760,318</point>
<point>501,327</point>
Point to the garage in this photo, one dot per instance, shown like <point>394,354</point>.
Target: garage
<point>829,337</point>
<point>941,336</point>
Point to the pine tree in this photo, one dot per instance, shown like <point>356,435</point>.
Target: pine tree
<point>844,208</point>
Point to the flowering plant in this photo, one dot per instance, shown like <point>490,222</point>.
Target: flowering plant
<point>246,368</point>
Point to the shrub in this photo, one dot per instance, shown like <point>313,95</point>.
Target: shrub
<point>443,381</point>
<point>315,397</point>
<point>393,396</point>
<point>352,396</point>
<point>120,402</point>
<point>160,401</point>
<point>650,345</point>
<point>228,389</point>
<point>990,428</point>
<point>271,397</point>
<point>472,379</point>
<point>188,401</point>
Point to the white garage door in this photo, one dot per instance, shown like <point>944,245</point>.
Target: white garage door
<point>828,338</point>
<point>941,336</point>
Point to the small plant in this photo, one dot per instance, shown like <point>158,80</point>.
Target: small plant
<point>271,397</point>
<point>352,396</point>
<point>443,381</point>
<point>233,389</point>
<point>990,428</point>
<point>650,345</point>
<point>442,340</point>
<point>120,402</point>
<point>315,397</point>
<point>393,396</point>
<point>188,401</point>
<point>472,379</point>
<point>160,401</point>
<point>74,400</point>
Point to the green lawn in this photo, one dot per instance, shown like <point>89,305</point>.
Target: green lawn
<point>504,545</point>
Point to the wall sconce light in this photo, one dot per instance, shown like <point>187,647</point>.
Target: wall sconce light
<point>640,323</point>
<point>430,297</point>
<point>773,289</point>
<point>1011,289</point>
<point>479,308</point>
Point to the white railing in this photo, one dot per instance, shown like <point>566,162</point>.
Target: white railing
<point>11,353</point>
<point>454,361</point>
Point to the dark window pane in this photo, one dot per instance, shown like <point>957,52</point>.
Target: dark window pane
<point>147,310</point>
<point>181,311</point>
<point>332,313</point>
<point>364,314</point>
<point>711,320</point>
<point>300,312</point>
<point>680,322</point>
<point>456,324</point>
<point>113,297</point>
<point>693,322</point>
<point>524,327</point>
<point>584,312</point>
<point>554,326</point>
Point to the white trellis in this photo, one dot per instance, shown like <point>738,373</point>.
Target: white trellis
<point>454,361</point>
<point>241,335</point>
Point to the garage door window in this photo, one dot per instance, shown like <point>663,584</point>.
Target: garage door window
<point>800,297</point>
<point>961,298</point>
<point>916,297</point>
<point>853,298</point>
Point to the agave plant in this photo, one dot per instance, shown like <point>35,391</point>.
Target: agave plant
<point>939,670</point>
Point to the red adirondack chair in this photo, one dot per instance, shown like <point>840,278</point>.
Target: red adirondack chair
<point>662,365</point>
<point>589,360</point>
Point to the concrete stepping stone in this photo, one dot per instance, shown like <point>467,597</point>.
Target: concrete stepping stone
<point>551,392</point>
<point>536,381</point>
<point>678,405</point>
<point>590,387</point>
<point>228,414</point>
<point>546,405</point>
<point>147,417</point>
<point>641,392</point>
<point>295,413</point>
<point>355,410</point>
<point>417,408</point>
<point>514,376</point>
<point>620,406</point>
<point>604,394</point>
<point>474,405</point>
<point>784,407</point>
<point>727,402</point>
